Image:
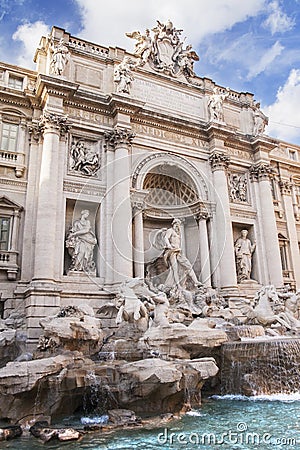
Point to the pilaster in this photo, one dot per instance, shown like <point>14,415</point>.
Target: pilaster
<point>286,188</point>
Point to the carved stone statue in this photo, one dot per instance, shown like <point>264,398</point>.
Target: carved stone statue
<point>60,57</point>
<point>80,243</point>
<point>123,75</point>
<point>215,105</point>
<point>186,60</point>
<point>259,120</point>
<point>243,253</point>
<point>143,45</point>
<point>84,158</point>
<point>179,267</point>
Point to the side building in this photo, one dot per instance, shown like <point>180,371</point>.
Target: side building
<point>101,149</point>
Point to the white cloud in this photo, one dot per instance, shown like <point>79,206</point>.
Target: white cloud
<point>278,21</point>
<point>265,61</point>
<point>29,34</point>
<point>106,25</point>
<point>284,113</point>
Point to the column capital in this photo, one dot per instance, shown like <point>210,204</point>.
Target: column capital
<point>35,131</point>
<point>219,161</point>
<point>118,136</point>
<point>201,215</point>
<point>285,187</point>
<point>261,171</point>
<point>54,122</point>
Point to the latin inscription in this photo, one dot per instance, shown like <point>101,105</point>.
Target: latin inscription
<point>88,116</point>
<point>241,154</point>
<point>168,98</point>
<point>168,135</point>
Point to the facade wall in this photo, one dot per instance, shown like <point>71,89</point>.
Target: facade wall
<point>82,145</point>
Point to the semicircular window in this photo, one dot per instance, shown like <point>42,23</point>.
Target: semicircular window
<point>166,189</point>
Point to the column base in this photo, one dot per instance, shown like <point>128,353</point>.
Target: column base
<point>42,299</point>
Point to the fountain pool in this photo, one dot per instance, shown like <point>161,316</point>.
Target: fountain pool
<point>225,422</point>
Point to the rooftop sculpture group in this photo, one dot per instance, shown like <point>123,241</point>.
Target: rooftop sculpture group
<point>164,50</point>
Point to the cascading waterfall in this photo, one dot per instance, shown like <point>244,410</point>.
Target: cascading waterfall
<point>261,367</point>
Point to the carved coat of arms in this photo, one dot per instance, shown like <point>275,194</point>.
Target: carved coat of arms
<point>164,51</point>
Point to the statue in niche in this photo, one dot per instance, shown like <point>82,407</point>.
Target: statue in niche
<point>123,75</point>
<point>80,243</point>
<point>215,104</point>
<point>237,187</point>
<point>243,253</point>
<point>259,120</point>
<point>177,265</point>
<point>84,158</point>
<point>60,57</point>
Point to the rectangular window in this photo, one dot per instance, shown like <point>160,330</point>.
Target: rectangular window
<point>4,232</point>
<point>9,136</point>
<point>15,82</point>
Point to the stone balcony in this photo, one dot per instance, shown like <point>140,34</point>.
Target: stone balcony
<point>15,160</point>
<point>8,263</point>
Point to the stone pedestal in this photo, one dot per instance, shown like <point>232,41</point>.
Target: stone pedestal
<point>41,300</point>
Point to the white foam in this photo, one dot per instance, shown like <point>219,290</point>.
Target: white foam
<point>193,412</point>
<point>94,420</point>
<point>278,397</point>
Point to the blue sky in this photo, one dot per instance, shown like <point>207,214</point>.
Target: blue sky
<point>247,45</point>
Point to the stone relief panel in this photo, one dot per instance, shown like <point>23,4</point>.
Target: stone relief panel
<point>84,157</point>
<point>238,187</point>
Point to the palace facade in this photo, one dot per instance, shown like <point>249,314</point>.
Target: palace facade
<point>101,149</point>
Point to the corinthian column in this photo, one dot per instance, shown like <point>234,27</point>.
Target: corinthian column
<point>138,248</point>
<point>260,174</point>
<point>205,276</point>
<point>121,221</point>
<point>46,252</point>
<point>219,163</point>
<point>286,191</point>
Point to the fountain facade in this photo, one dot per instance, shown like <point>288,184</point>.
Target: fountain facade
<point>168,240</point>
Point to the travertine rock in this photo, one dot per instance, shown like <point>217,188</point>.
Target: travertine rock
<point>164,386</point>
<point>179,341</point>
<point>73,328</point>
<point>47,386</point>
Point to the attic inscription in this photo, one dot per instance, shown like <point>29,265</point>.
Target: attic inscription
<point>89,116</point>
<point>168,98</point>
<point>168,135</point>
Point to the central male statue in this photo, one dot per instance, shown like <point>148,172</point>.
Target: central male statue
<point>174,258</point>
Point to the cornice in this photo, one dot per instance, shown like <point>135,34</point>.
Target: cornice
<point>15,183</point>
<point>84,188</point>
<point>13,99</point>
<point>55,86</point>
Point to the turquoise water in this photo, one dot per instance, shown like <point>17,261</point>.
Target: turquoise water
<point>221,423</point>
